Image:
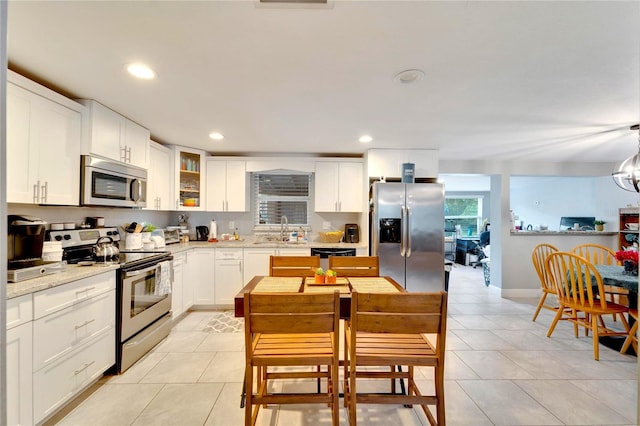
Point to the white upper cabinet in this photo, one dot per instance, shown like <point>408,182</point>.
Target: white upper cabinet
<point>113,136</point>
<point>189,179</point>
<point>226,186</point>
<point>43,145</point>
<point>338,187</point>
<point>159,178</point>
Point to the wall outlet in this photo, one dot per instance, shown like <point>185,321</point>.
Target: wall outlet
<point>326,226</point>
<point>232,225</point>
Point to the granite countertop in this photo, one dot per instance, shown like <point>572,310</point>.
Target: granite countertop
<point>253,243</point>
<point>568,232</point>
<point>69,274</point>
<point>75,272</point>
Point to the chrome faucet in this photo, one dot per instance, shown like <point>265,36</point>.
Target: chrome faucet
<point>284,226</point>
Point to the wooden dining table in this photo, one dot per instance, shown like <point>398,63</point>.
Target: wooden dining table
<point>614,275</point>
<point>345,285</point>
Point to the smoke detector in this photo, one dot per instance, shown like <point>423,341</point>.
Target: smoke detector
<point>409,76</point>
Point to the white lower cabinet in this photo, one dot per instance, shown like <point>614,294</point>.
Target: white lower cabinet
<point>256,261</point>
<point>202,268</point>
<point>188,281</point>
<point>19,353</point>
<point>73,340</point>
<point>58,382</point>
<point>59,333</point>
<point>228,275</point>
<point>177,287</point>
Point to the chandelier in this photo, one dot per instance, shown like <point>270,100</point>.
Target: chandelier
<point>627,176</point>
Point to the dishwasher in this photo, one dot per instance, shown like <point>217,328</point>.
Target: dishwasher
<point>324,254</point>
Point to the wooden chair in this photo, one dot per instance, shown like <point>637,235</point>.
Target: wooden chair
<point>580,291</point>
<point>601,255</point>
<point>538,257</point>
<point>355,266</point>
<point>387,329</point>
<point>293,266</point>
<point>632,338</point>
<point>291,329</point>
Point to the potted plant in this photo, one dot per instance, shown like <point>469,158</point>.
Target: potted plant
<point>318,276</point>
<point>331,276</point>
<point>599,225</point>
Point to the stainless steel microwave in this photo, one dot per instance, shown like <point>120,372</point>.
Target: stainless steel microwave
<point>109,183</point>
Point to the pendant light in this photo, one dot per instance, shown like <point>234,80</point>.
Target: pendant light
<point>627,176</point>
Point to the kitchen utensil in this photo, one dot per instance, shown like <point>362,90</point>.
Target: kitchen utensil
<point>131,227</point>
<point>133,241</point>
<point>138,228</point>
<point>106,251</point>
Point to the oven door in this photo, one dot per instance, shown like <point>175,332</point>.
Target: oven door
<point>142,301</point>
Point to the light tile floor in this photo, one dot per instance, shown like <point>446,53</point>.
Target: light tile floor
<point>501,369</point>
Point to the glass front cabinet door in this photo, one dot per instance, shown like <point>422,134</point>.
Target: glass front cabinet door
<point>190,179</point>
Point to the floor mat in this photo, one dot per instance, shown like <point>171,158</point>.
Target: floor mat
<point>225,322</point>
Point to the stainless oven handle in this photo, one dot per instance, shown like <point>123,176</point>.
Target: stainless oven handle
<point>140,272</point>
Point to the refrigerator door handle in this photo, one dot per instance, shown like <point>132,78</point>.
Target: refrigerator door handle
<point>407,229</point>
<point>402,230</point>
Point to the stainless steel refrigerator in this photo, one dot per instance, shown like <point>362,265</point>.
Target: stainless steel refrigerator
<point>407,233</point>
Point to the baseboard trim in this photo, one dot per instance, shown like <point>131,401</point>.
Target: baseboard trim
<point>524,292</point>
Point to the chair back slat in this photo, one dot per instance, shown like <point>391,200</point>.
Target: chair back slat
<point>596,254</point>
<point>355,266</point>
<point>293,266</point>
<point>291,313</point>
<point>399,312</point>
<point>292,323</point>
<point>576,280</point>
<point>400,303</point>
<point>539,257</point>
<point>410,323</point>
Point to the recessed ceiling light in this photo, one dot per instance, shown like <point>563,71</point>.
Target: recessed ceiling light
<point>408,76</point>
<point>141,71</point>
<point>365,139</point>
<point>216,136</point>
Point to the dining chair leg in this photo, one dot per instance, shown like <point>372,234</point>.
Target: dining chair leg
<point>631,339</point>
<point>596,342</point>
<point>540,304</point>
<point>555,321</point>
<point>335,406</point>
<point>248,407</point>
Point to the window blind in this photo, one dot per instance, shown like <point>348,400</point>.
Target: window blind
<point>277,195</point>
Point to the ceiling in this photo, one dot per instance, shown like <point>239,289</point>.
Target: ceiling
<point>509,80</point>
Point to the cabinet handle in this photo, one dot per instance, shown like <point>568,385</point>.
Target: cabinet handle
<point>36,192</point>
<point>226,208</point>
<point>85,290</point>
<point>128,155</point>
<point>222,205</point>
<point>45,192</point>
<point>84,324</point>
<point>123,154</point>
<point>177,203</point>
<point>335,207</point>
<point>84,368</point>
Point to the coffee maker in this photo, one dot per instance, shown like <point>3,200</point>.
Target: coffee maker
<point>202,233</point>
<point>25,239</point>
<point>351,233</point>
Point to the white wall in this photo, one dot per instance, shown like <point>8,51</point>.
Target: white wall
<point>545,199</point>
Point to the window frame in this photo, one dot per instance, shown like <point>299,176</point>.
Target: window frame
<point>256,199</point>
<point>478,218</point>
